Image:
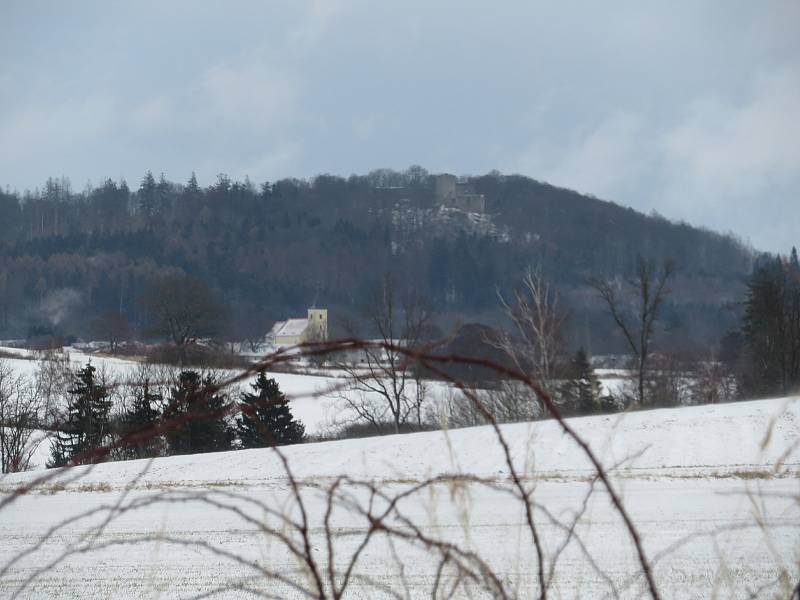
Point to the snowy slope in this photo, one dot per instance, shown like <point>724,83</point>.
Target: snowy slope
<point>707,440</point>
<point>690,481</point>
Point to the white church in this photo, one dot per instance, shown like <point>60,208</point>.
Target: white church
<point>313,328</point>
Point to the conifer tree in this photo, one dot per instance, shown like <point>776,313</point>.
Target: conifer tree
<point>141,416</point>
<point>161,193</point>
<point>192,188</point>
<point>147,196</point>
<point>266,419</point>
<point>204,429</point>
<point>583,387</point>
<point>771,328</point>
<point>87,426</point>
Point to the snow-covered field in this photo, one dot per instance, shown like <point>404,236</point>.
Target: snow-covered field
<point>713,491</point>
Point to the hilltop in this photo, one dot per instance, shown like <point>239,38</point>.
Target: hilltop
<point>270,249</point>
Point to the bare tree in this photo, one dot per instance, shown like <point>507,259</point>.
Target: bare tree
<point>385,386</point>
<point>19,419</point>
<point>669,382</point>
<point>646,290</point>
<point>183,309</point>
<point>712,382</point>
<point>51,378</point>
<point>510,402</point>
<point>111,327</point>
<point>538,323</point>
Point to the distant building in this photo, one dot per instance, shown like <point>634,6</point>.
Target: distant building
<point>313,328</point>
<point>452,193</point>
<point>448,191</point>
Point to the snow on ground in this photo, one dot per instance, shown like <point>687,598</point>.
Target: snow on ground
<point>37,449</point>
<point>694,481</point>
<point>614,382</point>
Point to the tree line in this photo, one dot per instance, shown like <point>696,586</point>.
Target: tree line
<point>68,257</point>
<point>197,415</point>
<point>386,392</point>
<point>758,358</point>
<point>766,353</point>
<point>86,410</point>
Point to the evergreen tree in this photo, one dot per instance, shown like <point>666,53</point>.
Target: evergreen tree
<point>764,329</point>
<point>204,429</point>
<point>584,387</point>
<point>793,325</point>
<point>87,427</point>
<point>772,328</point>
<point>162,193</point>
<point>266,419</point>
<point>147,196</point>
<point>192,188</point>
<point>142,417</point>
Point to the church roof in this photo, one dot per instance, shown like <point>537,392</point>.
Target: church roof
<point>290,327</point>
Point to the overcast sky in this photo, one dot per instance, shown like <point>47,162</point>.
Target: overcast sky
<point>690,108</point>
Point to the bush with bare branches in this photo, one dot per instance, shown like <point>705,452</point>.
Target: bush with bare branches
<point>19,420</point>
<point>385,389</point>
<point>642,294</point>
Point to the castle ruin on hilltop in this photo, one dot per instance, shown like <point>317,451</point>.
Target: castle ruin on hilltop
<point>452,193</point>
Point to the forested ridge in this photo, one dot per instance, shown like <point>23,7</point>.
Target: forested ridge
<point>272,248</point>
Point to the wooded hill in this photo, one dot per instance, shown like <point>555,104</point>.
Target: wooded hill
<point>269,250</point>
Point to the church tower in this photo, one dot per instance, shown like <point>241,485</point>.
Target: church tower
<point>317,330</point>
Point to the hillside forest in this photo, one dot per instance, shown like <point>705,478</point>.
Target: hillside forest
<point>269,250</point>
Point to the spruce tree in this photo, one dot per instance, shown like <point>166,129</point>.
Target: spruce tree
<point>87,426</point>
<point>204,429</point>
<point>141,417</point>
<point>192,188</point>
<point>147,196</point>
<point>771,328</point>
<point>162,192</point>
<point>266,419</point>
<point>584,387</point>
